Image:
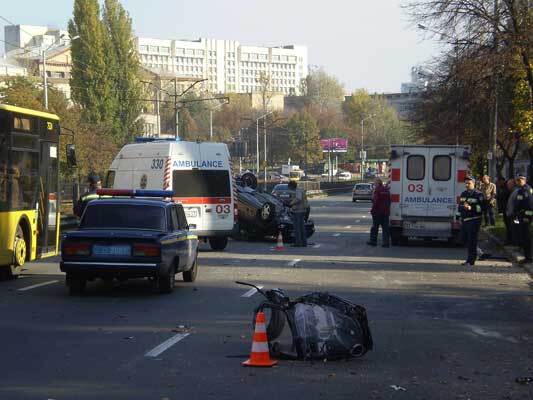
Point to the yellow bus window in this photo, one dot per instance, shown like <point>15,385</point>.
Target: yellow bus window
<point>22,124</point>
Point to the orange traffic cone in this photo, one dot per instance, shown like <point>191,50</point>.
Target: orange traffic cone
<point>260,356</point>
<point>279,245</point>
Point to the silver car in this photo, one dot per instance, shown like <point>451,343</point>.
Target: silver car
<point>362,191</point>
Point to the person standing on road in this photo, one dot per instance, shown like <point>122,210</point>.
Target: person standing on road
<point>380,213</point>
<point>299,206</point>
<point>94,183</point>
<point>520,210</point>
<point>503,199</point>
<point>489,192</point>
<point>471,204</point>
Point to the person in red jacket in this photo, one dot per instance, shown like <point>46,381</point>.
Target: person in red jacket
<point>380,213</point>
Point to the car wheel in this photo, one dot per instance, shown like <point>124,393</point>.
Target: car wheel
<point>166,281</point>
<point>395,235</point>
<point>267,212</point>
<point>404,241</point>
<point>75,284</point>
<point>218,243</point>
<point>190,275</point>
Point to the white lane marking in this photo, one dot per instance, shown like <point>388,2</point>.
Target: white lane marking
<point>478,330</point>
<point>36,286</point>
<point>293,262</point>
<point>251,292</point>
<point>166,345</point>
<point>348,227</point>
<point>364,216</point>
<point>317,246</point>
<point>336,234</point>
<point>357,221</point>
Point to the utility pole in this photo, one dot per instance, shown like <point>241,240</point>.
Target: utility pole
<point>157,109</point>
<point>265,143</point>
<point>45,83</point>
<point>176,107</point>
<point>257,145</point>
<point>494,136</point>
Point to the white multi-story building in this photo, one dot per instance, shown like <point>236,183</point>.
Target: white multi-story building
<point>227,65</point>
<point>31,36</point>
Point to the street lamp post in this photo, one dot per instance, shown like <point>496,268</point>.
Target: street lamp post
<point>257,141</point>
<point>363,155</point>
<point>211,120</point>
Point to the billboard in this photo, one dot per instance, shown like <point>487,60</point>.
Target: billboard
<point>334,145</point>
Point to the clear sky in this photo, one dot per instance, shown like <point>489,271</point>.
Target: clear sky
<point>366,44</point>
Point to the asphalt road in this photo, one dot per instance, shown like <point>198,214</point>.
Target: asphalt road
<point>441,331</point>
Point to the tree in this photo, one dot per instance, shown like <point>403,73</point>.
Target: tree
<point>382,127</point>
<point>105,67</point>
<point>92,63</point>
<point>123,66</point>
<point>304,140</point>
<point>324,90</point>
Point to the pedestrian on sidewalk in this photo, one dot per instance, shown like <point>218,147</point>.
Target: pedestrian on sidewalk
<point>471,204</point>
<point>489,192</point>
<point>380,213</point>
<point>503,199</point>
<point>299,207</point>
<point>520,210</point>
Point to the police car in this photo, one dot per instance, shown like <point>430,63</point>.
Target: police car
<point>130,237</point>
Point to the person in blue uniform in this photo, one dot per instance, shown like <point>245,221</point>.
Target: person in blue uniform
<point>471,207</point>
<point>520,212</point>
<point>94,184</point>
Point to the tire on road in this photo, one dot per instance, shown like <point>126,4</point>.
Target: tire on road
<point>166,281</point>
<point>395,236</point>
<point>218,243</point>
<point>76,284</point>
<point>190,275</point>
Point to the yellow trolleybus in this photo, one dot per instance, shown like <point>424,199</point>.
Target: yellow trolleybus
<point>29,187</point>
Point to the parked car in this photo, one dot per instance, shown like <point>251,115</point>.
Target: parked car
<point>344,176</point>
<point>262,214</point>
<point>274,177</point>
<point>362,191</point>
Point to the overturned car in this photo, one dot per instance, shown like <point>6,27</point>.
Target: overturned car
<point>263,215</point>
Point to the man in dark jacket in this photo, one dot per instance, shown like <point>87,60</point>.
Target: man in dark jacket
<point>471,208</point>
<point>94,183</point>
<point>520,210</point>
<point>380,213</point>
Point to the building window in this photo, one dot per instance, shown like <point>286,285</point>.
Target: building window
<point>143,48</point>
<point>154,49</point>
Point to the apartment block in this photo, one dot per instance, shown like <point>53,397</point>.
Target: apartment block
<point>227,65</point>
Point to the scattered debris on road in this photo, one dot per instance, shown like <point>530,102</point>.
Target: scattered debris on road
<point>397,388</point>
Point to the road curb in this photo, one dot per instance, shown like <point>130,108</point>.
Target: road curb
<point>510,252</point>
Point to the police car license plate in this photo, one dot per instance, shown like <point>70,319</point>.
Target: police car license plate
<point>115,251</point>
<point>191,213</point>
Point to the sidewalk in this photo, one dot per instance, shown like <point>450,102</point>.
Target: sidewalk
<point>513,253</point>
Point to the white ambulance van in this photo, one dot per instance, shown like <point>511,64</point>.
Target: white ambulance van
<point>199,173</point>
<point>426,182</point>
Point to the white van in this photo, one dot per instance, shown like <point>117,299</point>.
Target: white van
<point>426,182</point>
<point>199,173</point>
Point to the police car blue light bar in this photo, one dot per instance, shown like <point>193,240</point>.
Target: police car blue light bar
<point>135,192</point>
